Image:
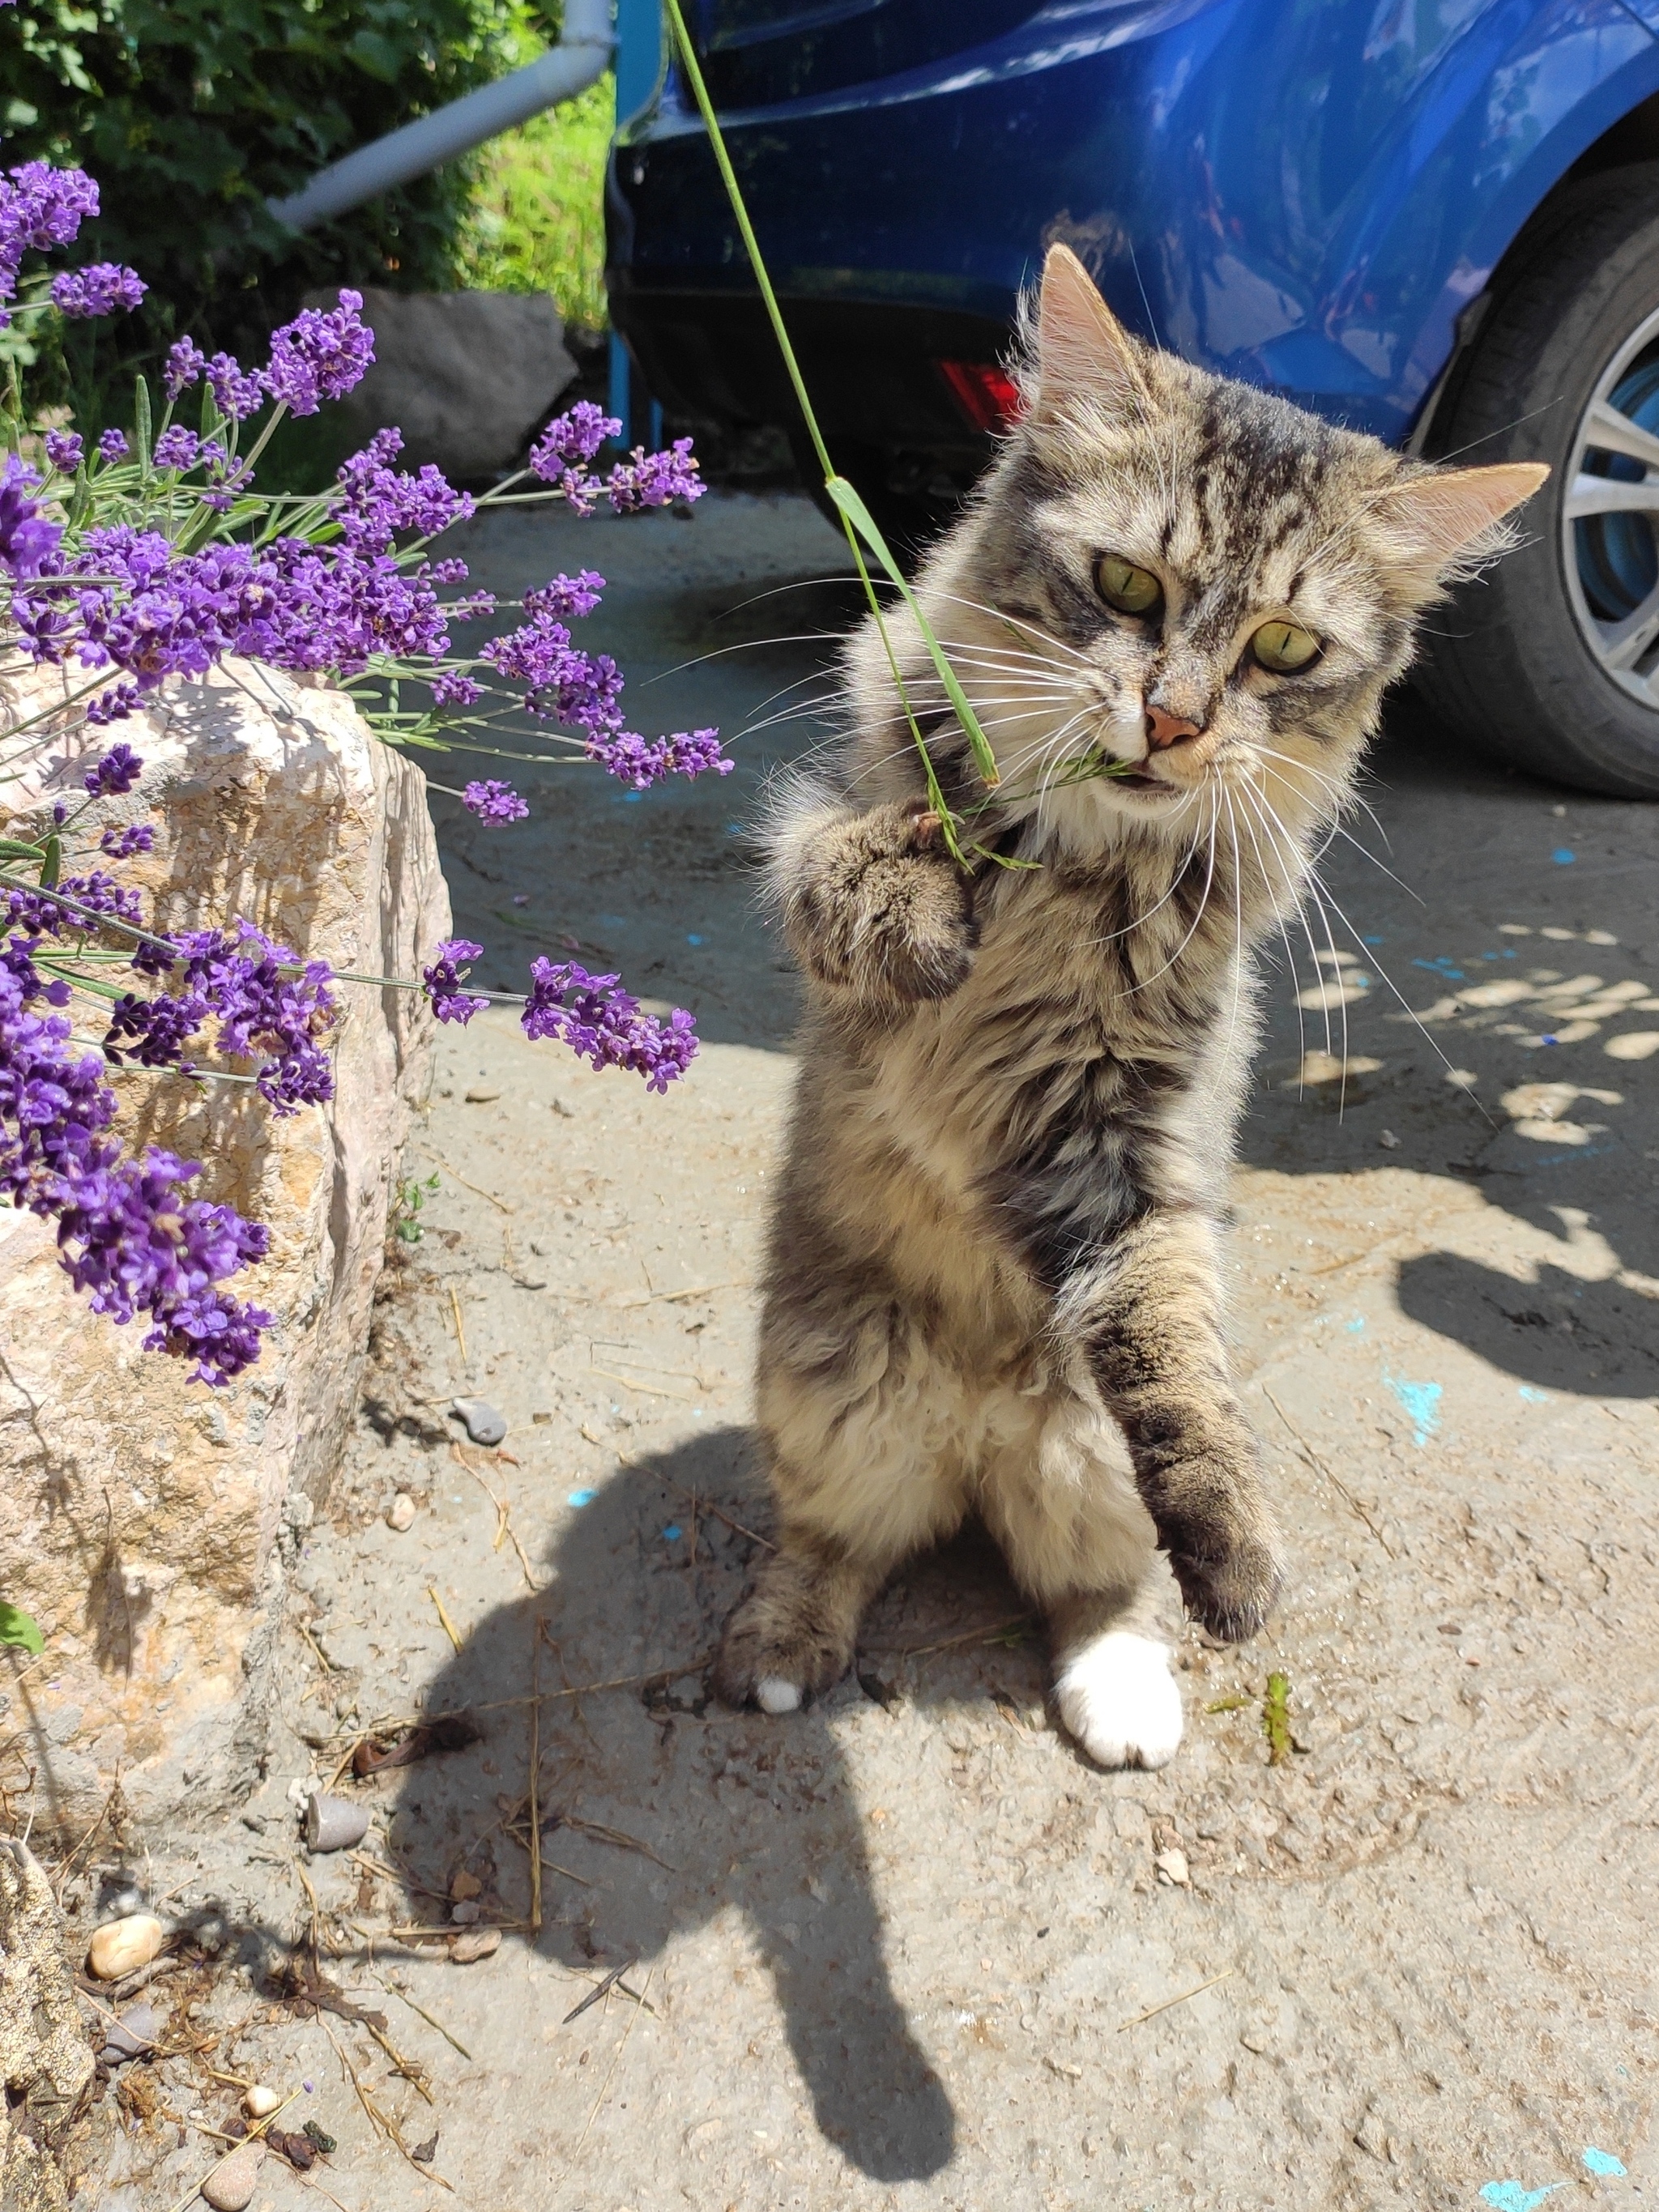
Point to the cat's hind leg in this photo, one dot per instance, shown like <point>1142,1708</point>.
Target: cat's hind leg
<point>865,1465</point>
<point>1059,1497</point>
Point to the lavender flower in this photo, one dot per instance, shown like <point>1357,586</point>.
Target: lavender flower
<point>177,448</point>
<point>113,446</point>
<point>27,540</point>
<point>122,842</point>
<point>571,439</point>
<point>237,393</point>
<point>39,207</point>
<point>100,288</point>
<point>604,1026</point>
<point>113,704</point>
<point>380,501</point>
<point>566,596</point>
<point>65,451</point>
<point>117,771</point>
<point>127,1234</point>
<point>647,480</point>
<point>444,979</point>
<point>263,1014</point>
<point>494,803</point>
<point>319,355</point>
<point>634,761</point>
<point>100,893</point>
<point>185,364</point>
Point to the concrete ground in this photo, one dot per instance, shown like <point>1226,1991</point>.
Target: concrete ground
<point>906,1949</point>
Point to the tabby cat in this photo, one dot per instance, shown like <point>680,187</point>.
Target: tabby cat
<point>995,1281</point>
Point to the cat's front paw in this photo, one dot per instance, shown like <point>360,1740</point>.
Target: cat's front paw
<point>775,1654</point>
<point>1118,1699</point>
<point>1228,1580</point>
<point>881,909</point>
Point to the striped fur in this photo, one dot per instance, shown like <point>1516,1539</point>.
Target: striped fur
<point>993,1283</point>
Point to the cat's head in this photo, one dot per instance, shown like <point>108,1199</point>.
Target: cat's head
<point>1191,576</point>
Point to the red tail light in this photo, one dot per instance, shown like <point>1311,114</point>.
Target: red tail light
<point>987,395</point>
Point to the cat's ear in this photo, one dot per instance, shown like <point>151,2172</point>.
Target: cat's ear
<point>1446,520</point>
<point>1083,352</point>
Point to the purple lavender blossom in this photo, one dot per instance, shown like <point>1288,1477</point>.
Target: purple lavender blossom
<point>380,500</point>
<point>113,446</point>
<point>604,1026</point>
<point>647,480</point>
<point>494,803</point>
<point>117,771</point>
<point>445,977</point>
<point>186,361</point>
<point>101,288</point>
<point>154,1032</point>
<point>27,540</point>
<point>120,841</point>
<point>113,704</point>
<point>319,355</point>
<point>177,448</point>
<point>634,761</point>
<point>236,393</point>
<point>39,207</point>
<point>97,892</point>
<point>65,451</point>
<point>127,1234</point>
<point>263,1014</point>
<point>571,438</point>
<point>566,596</point>
<point>452,688</point>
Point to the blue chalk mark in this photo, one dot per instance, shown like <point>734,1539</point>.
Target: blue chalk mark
<point>1510,2196</point>
<point>1441,967</point>
<point>1422,1403</point>
<point>1564,856</point>
<point>582,1496</point>
<point>1534,1397</point>
<point>1549,1040</point>
<point>1357,1325</point>
<point>672,1533</point>
<point>691,937</point>
<point>1373,940</point>
<point>613,921</point>
<point>1510,953</point>
<point>632,798</point>
<point>1603,2161</point>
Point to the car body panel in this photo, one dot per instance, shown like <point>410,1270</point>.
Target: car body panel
<point>1304,193</point>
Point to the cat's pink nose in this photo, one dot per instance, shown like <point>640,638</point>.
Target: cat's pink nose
<point>1165,729</point>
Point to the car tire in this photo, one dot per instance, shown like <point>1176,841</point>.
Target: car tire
<point>1550,662</point>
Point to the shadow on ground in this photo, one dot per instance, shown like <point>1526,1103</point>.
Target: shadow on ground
<point>756,1816</point>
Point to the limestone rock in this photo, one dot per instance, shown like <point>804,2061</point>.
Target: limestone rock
<point>46,2063</point>
<point>466,376</point>
<point>121,1946</point>
<point>149,1521</point>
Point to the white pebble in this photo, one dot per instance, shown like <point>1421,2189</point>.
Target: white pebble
<point>260,2102</point>
<point>400,1514</point>
<point>121,1946</point>
<point>1172,1868</point>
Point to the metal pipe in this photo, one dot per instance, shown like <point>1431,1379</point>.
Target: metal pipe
<point>580,60</point>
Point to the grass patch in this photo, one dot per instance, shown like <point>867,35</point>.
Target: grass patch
<point>537,220</point>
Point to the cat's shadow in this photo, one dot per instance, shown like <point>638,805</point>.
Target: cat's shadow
<point>742,1814</point>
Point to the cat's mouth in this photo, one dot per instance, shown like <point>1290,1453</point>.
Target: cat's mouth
<point>1137,779</point>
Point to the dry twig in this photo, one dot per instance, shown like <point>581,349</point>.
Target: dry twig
<point>1152,2011</point>
<point>1320,1467</point>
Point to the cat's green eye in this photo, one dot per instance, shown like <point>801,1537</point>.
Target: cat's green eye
<point>1283,647</point>
<point>1132,591</point>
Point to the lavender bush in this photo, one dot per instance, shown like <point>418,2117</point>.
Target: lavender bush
<point>153,557</point>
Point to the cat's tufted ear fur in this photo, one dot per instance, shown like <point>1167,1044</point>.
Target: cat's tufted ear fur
<point>1444,523</point>
<point>1084,355</point>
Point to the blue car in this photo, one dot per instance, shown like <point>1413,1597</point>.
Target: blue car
<point>1434,220</point>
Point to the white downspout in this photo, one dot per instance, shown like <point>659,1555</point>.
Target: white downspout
<point>582,57</point>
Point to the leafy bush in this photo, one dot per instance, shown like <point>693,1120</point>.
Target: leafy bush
<point>537,219</point>
<point>190,113</point>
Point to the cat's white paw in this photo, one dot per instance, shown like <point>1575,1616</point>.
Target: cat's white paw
<point>773,1695</point>
<point>1118,1699</point>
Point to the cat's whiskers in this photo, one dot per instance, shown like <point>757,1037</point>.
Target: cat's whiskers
<point>1298,872</point>
<point>1145,982</point>
<point>1284,932</point>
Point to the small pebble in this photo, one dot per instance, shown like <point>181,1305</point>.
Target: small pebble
<point>473,1943</point>
<point>465,1912</point>
<point>465,1885</point>
<point>400,1514</point>
<point>1388,1141</point>
<point>133,2032</point>
<point>480,1094</point>
<point>121,1946</point>
<point>481,1420</point>
<point>334,1824</point>
<point>1172,1868</point>
<point>260,2100</point>
<point>230,2187</point>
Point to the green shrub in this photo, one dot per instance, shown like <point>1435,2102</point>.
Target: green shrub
<point>190,113</point>
<point>537,219</point>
